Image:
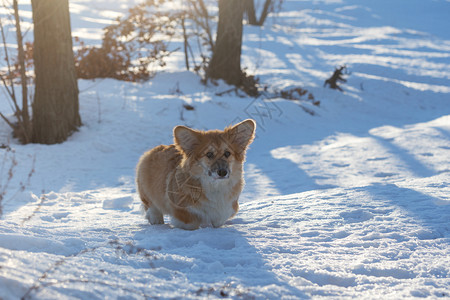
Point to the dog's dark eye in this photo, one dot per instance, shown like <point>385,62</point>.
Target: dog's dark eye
<point>227,154</point>
<point>209,155</point>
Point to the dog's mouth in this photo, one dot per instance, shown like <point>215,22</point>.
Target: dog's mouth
<point>219,174</point>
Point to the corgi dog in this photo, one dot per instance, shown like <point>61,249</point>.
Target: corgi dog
<point>198,179</point>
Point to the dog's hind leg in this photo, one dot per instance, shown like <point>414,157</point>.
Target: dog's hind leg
<point>154,216</point>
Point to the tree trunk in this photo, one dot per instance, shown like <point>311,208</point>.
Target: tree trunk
<point>251,12</point>
<point>226,59</point>
<point>55,106</point>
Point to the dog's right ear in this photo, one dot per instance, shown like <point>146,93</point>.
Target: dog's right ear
<point>185,138</point>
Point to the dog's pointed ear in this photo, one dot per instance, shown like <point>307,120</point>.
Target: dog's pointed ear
<point>185,138</point>
<point>242,134</point>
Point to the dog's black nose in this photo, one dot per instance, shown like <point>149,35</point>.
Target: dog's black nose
<point>222,172</point>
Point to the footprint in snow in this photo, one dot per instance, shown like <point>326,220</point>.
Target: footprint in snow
<point>384,174</point>
<point>376,158</point>
<point>356,216</point>
<point>338,165</point>
<point>310,234</point>
<point>427,154</point>
<point>397,273</point>
<point>60,215</point>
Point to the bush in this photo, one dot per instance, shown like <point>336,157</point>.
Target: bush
<point>129,47</point>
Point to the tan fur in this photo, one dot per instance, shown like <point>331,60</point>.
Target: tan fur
<point>185,181</point>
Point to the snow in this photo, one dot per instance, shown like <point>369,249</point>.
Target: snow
<point>352,202</point>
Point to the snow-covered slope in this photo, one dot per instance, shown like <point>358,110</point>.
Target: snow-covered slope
<point>350,202</point>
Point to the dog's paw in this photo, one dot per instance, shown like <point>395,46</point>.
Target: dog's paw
<point>217,224</point>
<point>154,216</point>
<point>186,226</point>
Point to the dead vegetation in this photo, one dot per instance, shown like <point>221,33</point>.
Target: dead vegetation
<point>337,77</point>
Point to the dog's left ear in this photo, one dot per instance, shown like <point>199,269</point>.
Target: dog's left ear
<point>186,138</point>
<point>242,134</point>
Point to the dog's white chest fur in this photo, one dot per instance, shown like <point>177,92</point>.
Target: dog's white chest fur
<point>219,207</point>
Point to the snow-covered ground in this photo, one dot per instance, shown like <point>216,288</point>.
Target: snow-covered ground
<point>353,201</point>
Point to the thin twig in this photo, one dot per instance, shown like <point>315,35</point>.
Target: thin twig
<point>36,209</point>
<point>7,121</point>
<point>186,57</point>
<point>11,92</point>
<point>25,124</point>
<point>227,91</point>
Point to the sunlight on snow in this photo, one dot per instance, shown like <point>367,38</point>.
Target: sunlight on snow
<point>88,33</point>
<point>413,85</point>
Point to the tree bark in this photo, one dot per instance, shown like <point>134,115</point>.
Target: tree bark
<point>226,59</point>
<point>55,106</point>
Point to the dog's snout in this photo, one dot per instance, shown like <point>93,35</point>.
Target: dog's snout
<point>222,172</point>
<point>220,169</point>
